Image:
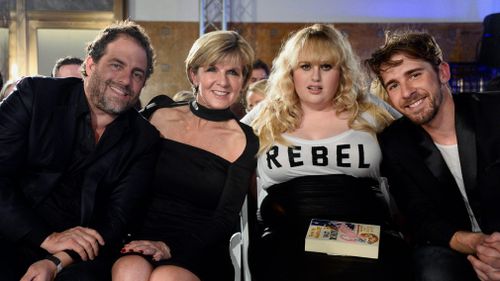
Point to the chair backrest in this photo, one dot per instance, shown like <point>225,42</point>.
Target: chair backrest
<point>238,247</point>
<point>235,246</point>
<point>245,240</point>
<point>490,41</point>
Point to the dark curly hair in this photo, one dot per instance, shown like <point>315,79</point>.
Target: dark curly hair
<point>96,48</point>
<point>414,44</point>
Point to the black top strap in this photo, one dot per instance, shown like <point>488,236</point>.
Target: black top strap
<point>159,101</point>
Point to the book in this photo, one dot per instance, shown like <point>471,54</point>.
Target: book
<point>343,238</point>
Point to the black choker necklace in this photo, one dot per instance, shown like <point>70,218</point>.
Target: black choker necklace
<point>210,114</point>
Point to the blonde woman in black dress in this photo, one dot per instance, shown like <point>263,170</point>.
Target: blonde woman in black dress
<point>203,171</point>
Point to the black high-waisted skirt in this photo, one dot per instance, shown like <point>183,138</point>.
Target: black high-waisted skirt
<point>287,212</point>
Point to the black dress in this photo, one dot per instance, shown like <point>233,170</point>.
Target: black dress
<point>197,197</point>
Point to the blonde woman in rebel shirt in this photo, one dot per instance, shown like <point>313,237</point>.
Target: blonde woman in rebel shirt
<point>319,158</point>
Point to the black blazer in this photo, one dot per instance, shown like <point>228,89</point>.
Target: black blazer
<point>37,129</point>
<point>423,186</point>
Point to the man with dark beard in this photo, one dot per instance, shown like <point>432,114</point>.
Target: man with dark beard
<point>442,160</point>
<point>75,161</point>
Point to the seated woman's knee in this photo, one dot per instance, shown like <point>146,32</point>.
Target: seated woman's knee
<point>172,273</point>
<point>131,268</point>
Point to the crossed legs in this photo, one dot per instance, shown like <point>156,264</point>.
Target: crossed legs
<point>137,268</point>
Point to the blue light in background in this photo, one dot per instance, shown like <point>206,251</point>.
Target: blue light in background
<point>417,10</point>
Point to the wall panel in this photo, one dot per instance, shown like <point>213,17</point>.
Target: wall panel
<point>172,41</point>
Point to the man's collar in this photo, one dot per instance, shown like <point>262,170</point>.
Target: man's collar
<point>82,106</point>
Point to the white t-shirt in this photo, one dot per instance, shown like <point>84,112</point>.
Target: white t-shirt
<point>353,152</point>
<point>356,153</point>
<point>450,156</point>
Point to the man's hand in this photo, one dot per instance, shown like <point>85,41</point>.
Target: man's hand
<point>42,270</point>
<point>84,241</point>
<point>484,271</point>
<point>489,250</point>
<point>486,263</point>
<point>466,242</point>
<point>157,249</point>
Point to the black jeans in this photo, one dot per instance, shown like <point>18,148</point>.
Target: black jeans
<point>435,263</point>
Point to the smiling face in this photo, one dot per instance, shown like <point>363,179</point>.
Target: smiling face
<point>415,88</point>
<point>114,82</point>
<point>316,83</point>
<point>219,85</point>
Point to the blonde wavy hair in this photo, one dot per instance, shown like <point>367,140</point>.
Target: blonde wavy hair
<point>282,112</point>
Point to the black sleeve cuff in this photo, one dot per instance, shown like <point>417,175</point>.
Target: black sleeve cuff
<point>35,238</point>
<point>74,255</point>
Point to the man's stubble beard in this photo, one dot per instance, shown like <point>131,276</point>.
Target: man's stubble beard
<point>97,92</point>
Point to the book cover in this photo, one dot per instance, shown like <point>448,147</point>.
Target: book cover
<point>343,238</point>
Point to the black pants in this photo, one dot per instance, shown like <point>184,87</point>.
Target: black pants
<point>435,263</point>
<point>15,260</point>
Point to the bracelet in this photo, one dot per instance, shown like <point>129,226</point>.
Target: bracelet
<point>56,261</point>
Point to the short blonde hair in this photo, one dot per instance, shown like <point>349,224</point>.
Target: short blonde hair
<point>217,46</point>
<point>259,86</point>
<point>317,43</point>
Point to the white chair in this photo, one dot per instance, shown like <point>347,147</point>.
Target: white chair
<point>238,247</point>
<point>235,245</point>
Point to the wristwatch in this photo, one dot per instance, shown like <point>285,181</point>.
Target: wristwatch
<point>56,261</point>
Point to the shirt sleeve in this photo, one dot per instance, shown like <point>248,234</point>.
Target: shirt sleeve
<point>17,218</point>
